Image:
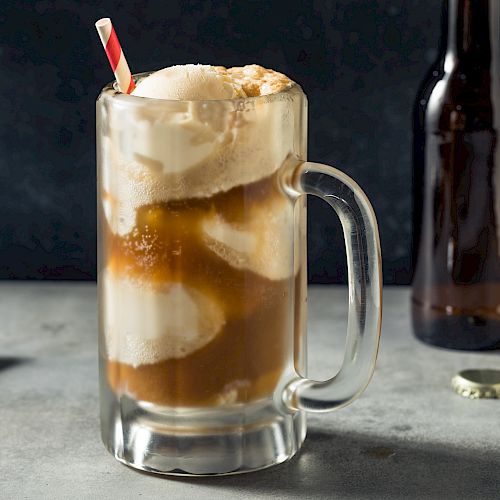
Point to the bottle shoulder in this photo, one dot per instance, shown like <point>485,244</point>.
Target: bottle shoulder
<point>457,102</point>
<point>433,75</point>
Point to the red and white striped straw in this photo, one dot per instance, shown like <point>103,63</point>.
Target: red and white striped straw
<point>115,55</point>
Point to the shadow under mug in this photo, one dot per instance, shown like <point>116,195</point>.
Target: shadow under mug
<point>202,281</point>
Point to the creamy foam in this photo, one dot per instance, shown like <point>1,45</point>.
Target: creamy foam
<point>256,80</point>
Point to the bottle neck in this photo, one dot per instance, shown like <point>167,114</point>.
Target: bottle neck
<point>469,32</point>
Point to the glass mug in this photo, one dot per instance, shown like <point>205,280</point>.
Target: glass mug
<point>202,281</point>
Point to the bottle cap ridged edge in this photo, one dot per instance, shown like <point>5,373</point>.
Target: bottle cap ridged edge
<point>467,385</point>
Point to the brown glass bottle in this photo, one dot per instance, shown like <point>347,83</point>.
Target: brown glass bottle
<point>456,285</point>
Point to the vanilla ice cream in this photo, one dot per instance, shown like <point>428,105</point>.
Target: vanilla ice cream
<point>189,82</point>
<point>261,244</point>
<point>145,325</point>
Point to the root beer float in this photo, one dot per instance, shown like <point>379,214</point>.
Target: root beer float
<point>197,255</point>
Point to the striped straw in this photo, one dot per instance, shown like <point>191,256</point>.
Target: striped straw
<point>115,55</point>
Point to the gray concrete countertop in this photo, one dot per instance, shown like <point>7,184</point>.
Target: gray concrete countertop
<point>408,436</point>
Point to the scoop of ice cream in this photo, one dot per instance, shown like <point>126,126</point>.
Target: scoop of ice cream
<point>189,82</point>
<point>262,244</point>
<point>144,325</point>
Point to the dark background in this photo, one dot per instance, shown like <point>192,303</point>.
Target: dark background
<point>360,62</point>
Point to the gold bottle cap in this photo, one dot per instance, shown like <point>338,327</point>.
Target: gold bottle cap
<point>476,384</point>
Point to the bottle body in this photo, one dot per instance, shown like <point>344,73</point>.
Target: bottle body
<point>435,74</point>
<point>456,287</point>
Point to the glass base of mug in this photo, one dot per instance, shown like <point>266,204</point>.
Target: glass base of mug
<point>200,441</point>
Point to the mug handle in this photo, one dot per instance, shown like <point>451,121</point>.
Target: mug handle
<point>365,290</point>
